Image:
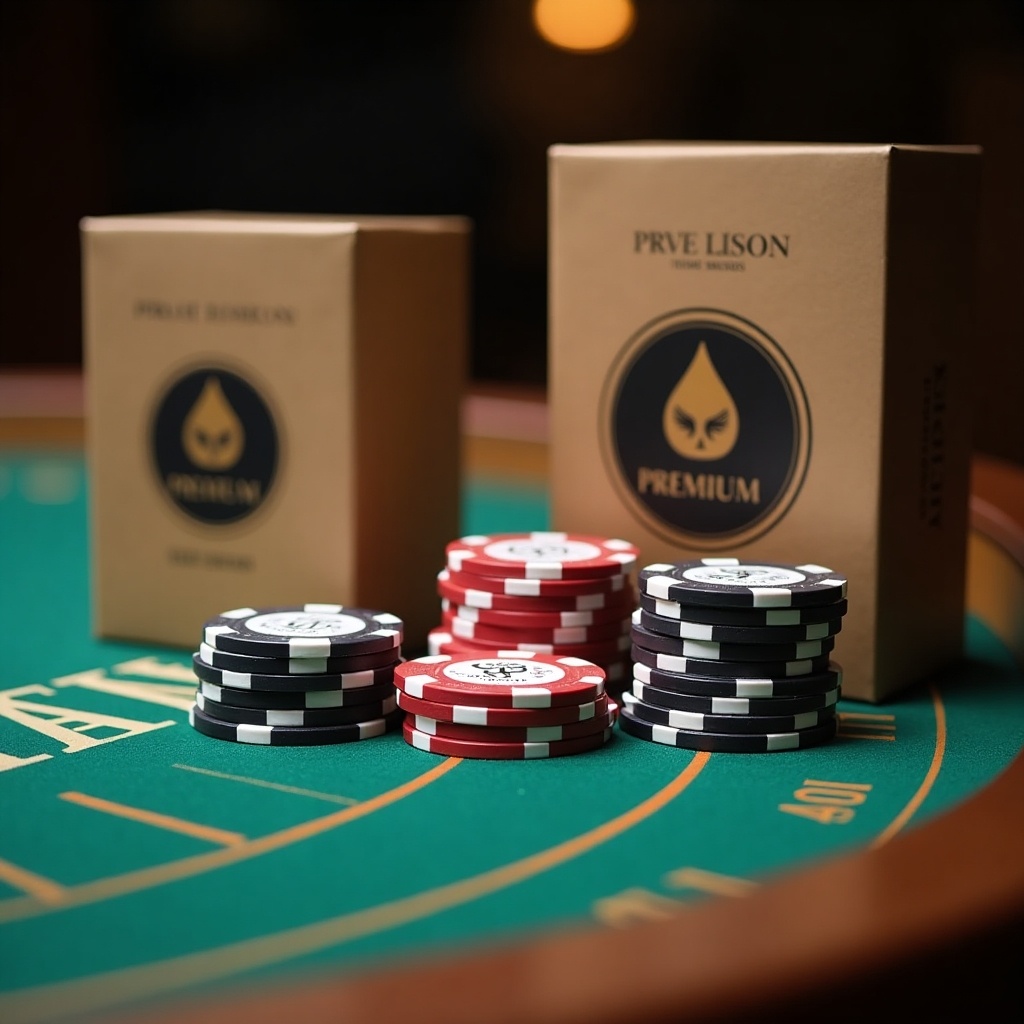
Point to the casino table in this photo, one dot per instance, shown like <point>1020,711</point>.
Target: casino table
<point>148,872</point>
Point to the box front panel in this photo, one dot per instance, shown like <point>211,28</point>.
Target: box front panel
<point>716,356</point>
<point>219,412</point>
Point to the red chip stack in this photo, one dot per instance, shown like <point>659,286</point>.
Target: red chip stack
<point>561,594</point>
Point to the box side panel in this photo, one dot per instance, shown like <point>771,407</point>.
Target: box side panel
<point>241,340</point>
<point>412,313</point>
<point>789,248</point>
<point>928,372</point>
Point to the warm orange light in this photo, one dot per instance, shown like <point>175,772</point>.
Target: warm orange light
<point>584,26</point>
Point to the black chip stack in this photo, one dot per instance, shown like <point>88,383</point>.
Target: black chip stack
<point>298,675</point>
<point>732,656</point>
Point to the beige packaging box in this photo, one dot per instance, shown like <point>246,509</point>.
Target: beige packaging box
<point>762,351</point>
<point>272,414</point>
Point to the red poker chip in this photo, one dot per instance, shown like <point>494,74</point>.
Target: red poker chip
<point>467,629</point>
<point>517,718</point>
<point>472,596</point>
<point>542,556</point>
<point>509,734</point>
<point>502,751</point>
<point>502,679</point>
<point>547,620</point>
<point>517,586</point>
<point>442,641</point>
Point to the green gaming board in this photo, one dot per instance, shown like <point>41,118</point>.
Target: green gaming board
<point>140,860</point>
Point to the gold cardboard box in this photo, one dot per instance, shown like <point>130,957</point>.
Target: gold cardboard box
<point>272,414</point>
<point>763,350</point>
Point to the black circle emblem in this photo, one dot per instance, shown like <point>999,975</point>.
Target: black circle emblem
<point>705,428</point>
<point>215,446</point>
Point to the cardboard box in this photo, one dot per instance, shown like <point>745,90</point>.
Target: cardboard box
<point>763,350</point>
<point>272,414</point>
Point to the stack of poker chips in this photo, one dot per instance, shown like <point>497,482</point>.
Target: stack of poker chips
<point>507,705</point>
<point>550,593</point>
<point>735,657</point>
<point>297,676</point>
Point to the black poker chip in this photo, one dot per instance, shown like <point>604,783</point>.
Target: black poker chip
<point>291,700</point>
<point>732,743</point>
<point>368,678</point>
<point>673,700</point>
<point>715,651</point>
<point>738,686</point>
<point>304,631</point>
<point>709,632</point>
<point>295,673</point>
<point>289,736</point>
<point>296,717</point>
<point>731,583</point>
<point>740,669</point>
<point>698,721</point>
<point>744,617</point>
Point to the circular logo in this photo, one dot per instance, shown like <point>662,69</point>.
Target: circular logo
<point>302,624</point>
<point>215,446</point>
<point>542,551</point>
<point>504,672</point>
<point>744,576</point>
<point>705,428</point>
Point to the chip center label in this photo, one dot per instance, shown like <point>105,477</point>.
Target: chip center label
<point>504,672</point>
<point>526,550</point>
<point>304,624</point>
<point>743,576</point>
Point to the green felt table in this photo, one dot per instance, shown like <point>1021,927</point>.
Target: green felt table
<point>142,862</point>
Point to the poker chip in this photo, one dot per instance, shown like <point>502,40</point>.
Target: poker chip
<point>697,721</point>
<point>738,686</point>
<point>545,620</point>
<point>510,679</point>
<point>517,586</point>
<point>299,675</point>
<point>527,751</point>
<point>467,629</point>
<point>711,667</point>
<point>286,736</point>
<point>510,734</point>
<point>673,700</point>
<point>297,699</point>
<point>729,582</point>
<point>289,667</point>
<point>328,681</point>
<point>515,718</point>
<point>440,641</point>
<point>714,651</point>
<point>744,617</point>
<point>303,631</point>
<point>709,632</point>
<point>734,743</point>
<point>620,599</point>
<point>541,556</point>
<point>297,717</point>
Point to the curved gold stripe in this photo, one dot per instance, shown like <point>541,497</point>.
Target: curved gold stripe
<point>105,991</point>
<point>146,878</point>
<point>931,775</point>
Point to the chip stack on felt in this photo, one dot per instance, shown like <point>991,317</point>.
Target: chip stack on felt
<point>550,593</point>
<point>734,657</point>
<point>504,705</point>
<point>297,676</point>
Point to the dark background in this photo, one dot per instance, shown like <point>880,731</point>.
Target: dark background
<point>448,106</point>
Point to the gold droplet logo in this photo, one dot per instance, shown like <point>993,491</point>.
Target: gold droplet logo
<point>700,419</point>
<point>212,435</point>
